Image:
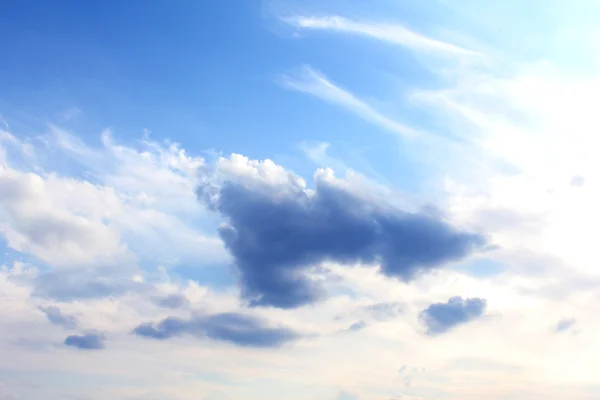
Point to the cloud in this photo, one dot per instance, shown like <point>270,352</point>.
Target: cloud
<point>3,122</point>
<point>56,317</point>
<point>384,311</point>
<point>276,230</point>
<point>132,201</point>
<point>346,396</point>
<point>312,82</point>
<point>33,221</point>
<point>78,284</point>
<point>441,317</point>
<point>565,324</point>
<point>173,301</point>
<point>577,181</point>
<point>235,328</point>
<point>357,326</point>
<point>88,341</point>
<point>391,33</point>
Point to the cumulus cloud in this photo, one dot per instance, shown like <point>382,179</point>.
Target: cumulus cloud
<point>239,329</point>
<point>441,317</point>
<point>56,317</point>
<point>136,205</point>
<point>33,221</point>
<point>276,229</point>
<point>88,341</point>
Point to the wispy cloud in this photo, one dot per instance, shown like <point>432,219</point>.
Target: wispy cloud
<point>3,122</point>
<point>391,33</point>
<point>310,81</point>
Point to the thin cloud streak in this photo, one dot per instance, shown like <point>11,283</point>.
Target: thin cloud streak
<point>391,33</point>
<point>316,84</point>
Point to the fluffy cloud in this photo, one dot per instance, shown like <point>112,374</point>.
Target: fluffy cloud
<point>34,221</point>
<point>127,201</point>
<point>441,317</point>
<point>235,328</point>
<point>88,341</point>
<point>276,229</point>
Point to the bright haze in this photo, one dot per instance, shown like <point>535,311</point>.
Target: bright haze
<point>299,199</point>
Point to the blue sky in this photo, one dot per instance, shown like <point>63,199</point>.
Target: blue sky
<point>313,200</point>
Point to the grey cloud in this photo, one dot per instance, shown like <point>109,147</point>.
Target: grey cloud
<point>441,317</point>
<point>173,301</point>
<point>75,284</point>
<point>384,311</point>
<point>88,341</point>
<point>235,328</point>
<point>357,326</point>
<point>276,235</point>
<point>56,317</point>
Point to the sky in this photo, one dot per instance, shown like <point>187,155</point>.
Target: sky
<point>341,200</point>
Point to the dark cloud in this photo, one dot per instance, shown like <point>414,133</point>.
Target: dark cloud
<point>235,328</point>
<point>88,341</point>
<point>564,324</point>
<point>275,235</point>
<point>56,317</point>
<point>173,301</point>
<point>357,326</point>
<point>441,317</point>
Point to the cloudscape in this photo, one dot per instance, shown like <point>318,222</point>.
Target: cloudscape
<point>303,200</point>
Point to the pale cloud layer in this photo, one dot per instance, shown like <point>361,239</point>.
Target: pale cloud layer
<point>522,325</point>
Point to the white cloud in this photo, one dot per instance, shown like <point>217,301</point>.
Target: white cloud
<point>147,194</point>
<point>35,221</point>
<point>392,33</point>
<point>307,80</point>
<point>528,135</point>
